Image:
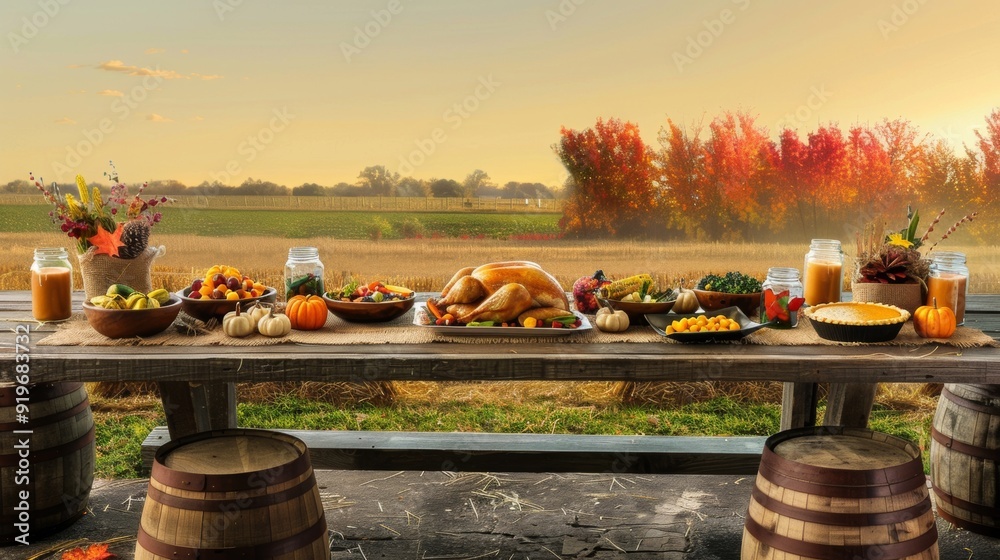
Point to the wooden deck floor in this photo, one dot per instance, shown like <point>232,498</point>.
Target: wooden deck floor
<point>437,515</point>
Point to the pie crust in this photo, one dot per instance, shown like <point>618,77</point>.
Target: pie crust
<point>857,314</point>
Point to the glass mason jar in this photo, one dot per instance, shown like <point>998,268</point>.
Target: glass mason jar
<point>303,272</point>
<point>780,290</point>
<point>823,271</point>
<point>51,285</point>
<point>948,282</point>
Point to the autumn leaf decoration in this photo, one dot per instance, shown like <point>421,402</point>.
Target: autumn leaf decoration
<point>93,552</point>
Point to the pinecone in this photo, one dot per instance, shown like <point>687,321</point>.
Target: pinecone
<point>135,236</point>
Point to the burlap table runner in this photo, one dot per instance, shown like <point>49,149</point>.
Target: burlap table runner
<point>76,332</point>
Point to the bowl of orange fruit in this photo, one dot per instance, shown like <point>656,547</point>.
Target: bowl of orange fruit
<point>220,290</point>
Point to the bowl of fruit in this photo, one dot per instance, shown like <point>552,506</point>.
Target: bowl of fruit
<point>733,289</point>
<point>218,292</point>
<point>126,313</point>
<point>636,296</point>
<point>369,303</point>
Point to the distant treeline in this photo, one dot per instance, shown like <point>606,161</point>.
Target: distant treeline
<point>376,180</point>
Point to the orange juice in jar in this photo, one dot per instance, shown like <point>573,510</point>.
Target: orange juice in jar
<point>824,272</point>
<point>51,285</point>
<point>948,283</point>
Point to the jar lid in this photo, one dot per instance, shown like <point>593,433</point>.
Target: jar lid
<point>783,273</point>
<point>830,244</point>
<point>51,253</point>
<point>303,253</point>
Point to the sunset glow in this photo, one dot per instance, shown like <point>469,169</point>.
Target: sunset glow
<point>314,91</point>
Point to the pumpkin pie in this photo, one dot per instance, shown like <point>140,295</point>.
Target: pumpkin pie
<point>857,314</point>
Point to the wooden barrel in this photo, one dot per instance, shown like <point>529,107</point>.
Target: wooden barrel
<point>228,494</point>
<point>59,468</point>
<point>835,493</point>
<point>965,457</point>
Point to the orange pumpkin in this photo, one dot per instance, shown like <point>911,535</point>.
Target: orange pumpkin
<point>933,321</point>
<point>307,313</point>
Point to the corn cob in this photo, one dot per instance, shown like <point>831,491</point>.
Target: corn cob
<point>620,288</point>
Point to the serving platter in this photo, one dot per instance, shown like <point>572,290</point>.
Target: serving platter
<point>423,319</point>
<point>660,322</point>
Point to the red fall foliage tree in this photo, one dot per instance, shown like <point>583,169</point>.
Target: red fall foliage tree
<point>737,183</point>
<point>611,190</point>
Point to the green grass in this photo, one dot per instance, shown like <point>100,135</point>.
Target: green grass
<point>297,224</point>
<point>119,436</point>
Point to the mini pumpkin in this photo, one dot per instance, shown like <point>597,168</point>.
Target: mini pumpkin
<point>256,311</point>
<point>274,325</point>
<point>610,320</point>
<point>931,321</point>
<point>306,312</point>
<point>687,302</point>
<point>237,324</point>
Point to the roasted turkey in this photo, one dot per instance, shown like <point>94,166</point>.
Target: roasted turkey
<point>501,291</point>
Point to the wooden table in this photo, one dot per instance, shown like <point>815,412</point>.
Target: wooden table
<point>198,394</point>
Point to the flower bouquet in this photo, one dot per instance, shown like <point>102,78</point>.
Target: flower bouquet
<point>112,234</point>
<point>890,267</point>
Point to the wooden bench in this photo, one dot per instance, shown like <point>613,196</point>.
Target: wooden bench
<point>484,452</point>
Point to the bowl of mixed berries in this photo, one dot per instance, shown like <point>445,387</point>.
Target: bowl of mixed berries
<point>374,302</point>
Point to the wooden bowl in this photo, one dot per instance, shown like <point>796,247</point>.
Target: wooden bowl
<point>369,312</point>
<point>637,311</point>
<point>130,323</point>
<point>713,301</point>
<point>205,309</point>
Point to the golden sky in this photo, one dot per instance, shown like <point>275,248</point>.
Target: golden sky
<point>313,91</point>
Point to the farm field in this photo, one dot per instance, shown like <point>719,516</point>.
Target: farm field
<point>296,224</point>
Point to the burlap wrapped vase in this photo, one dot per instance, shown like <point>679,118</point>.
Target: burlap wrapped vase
<point>100,271</point>
<point>904,296</point>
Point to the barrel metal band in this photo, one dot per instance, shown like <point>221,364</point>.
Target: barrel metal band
<point>35,423</point>
<point>988,530</point>
<point>978,509</point>
<point>197,482</point>
<point>262,551</point>
<point>886,476</point>
<point>888,551</point>
<point>39,392</point>
<point>52,452</point>
<point>840,519</point>
<point>965,448</point>
<point>230,504</point>
<point>874,490</point>
<point>966,403</point>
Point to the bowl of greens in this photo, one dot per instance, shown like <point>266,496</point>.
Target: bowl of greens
<point>716,292</point>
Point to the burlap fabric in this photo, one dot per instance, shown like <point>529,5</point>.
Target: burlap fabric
<point>76,332</point>
<point>904,296</point>
<point>101,271</point>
